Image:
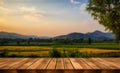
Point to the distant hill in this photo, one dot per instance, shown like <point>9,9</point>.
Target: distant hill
<point>96,35</point>
<point>16,35</point>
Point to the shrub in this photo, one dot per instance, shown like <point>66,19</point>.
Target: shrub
<point>13,55</point>
<point>4,53</point>
<point>33,56</point>
<point>73,53</point>
<point>16,56</point>
<point>64,53</point>
<point>55,53</point>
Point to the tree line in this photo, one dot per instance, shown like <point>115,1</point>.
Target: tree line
<point>47,42</point>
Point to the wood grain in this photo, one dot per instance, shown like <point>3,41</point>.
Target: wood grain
<point>59,65</point>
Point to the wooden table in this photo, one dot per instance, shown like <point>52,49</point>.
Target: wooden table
<point>59,65</point>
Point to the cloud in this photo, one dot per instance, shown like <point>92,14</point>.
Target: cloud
<point>22,11</point>
<point>80,6</point>
<point>87,25</point>
<point>75,2</point>
<point>83,8</point>
<point>29,9</point>
<point>7,10</point>
<point>3,8</point>
<point>32,13</point>
<point>1,3</point>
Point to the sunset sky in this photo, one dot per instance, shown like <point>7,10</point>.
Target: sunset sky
<point>46,17</point>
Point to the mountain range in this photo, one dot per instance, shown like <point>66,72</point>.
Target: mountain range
<point>20,36</point>
<point>96,35</point>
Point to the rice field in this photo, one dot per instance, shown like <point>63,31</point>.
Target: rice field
<point>43,51</point>
<point>25,48</point>
<point>97,51</point>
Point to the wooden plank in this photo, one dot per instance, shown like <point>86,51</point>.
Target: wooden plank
<point>36,64</point>
<point>114,60</point>
<point>52,64</point>
<point>112,65</point>
<point>60,64</point>
<point>100,64</point>
<point>44,63</point>
<point>83,64</point>
<point>3,64</point>
<point>68,64</point>
<point>14,62</point>
<point>7,62</point>
<point>20,63</point>
<point>28,63</point>
<point>90,63</point>
<point>75,63</point>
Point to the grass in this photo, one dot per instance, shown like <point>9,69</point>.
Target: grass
<point>93,45</point>
<point>39,53</point>
<point>83,50</point>
<point>97,51</point>
<point>25,48</point>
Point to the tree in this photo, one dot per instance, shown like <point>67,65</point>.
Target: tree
<point>107,12</point>
<point>18,42</point>
<point>4,53</point>
<point>81,40</point>
<point>89,41</point>
<point>55,53</point>
<point>64,53</point>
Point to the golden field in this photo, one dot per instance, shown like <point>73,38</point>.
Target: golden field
<point>44,50</point>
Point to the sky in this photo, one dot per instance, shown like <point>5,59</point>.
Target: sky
<point>46,17</point>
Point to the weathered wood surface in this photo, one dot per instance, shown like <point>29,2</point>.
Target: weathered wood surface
<point>59,65</point>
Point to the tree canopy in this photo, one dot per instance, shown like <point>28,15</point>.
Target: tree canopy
<point>107,12</point>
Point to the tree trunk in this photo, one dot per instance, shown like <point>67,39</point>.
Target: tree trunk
<point>119,44</point>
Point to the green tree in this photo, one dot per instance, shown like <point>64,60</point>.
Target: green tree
<point>107,12</point>
<point>18,42</point>
<point>64,53</point>
<point>74,53</point>
<point>81,40</point>
<point>89,41</point>
<point>55,53</point>
<point>4,53</point>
